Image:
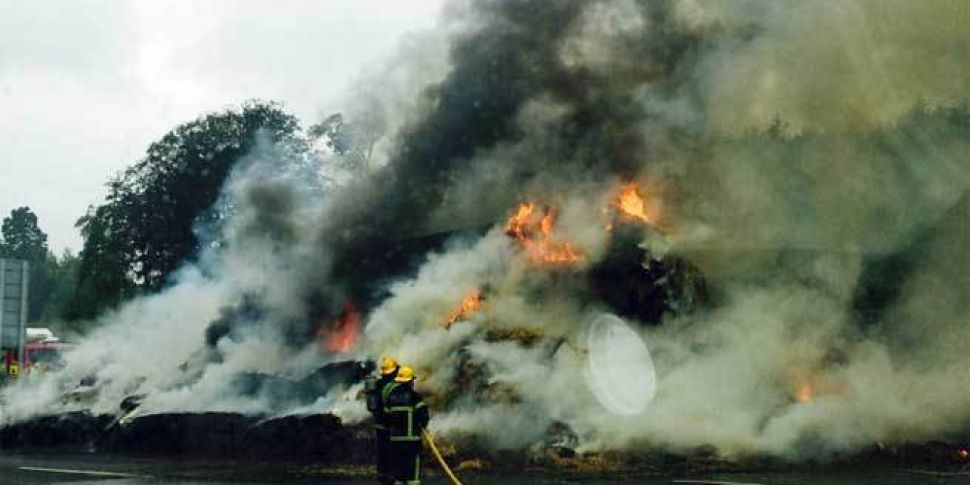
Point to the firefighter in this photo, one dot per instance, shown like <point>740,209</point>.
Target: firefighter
<point>407,416</point>
<point>374,395</point>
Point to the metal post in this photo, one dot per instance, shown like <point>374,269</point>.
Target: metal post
<point>3,298</point>
<point>24,276</point>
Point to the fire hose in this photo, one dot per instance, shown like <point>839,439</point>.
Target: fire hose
<point>441,460</point>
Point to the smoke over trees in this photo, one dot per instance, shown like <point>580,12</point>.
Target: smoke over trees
<point>160,212</point>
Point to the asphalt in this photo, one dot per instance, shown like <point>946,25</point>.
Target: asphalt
<point>85,469</point>
<point>99,469</point>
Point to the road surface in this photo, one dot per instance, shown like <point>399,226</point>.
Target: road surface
<point>94,469</point>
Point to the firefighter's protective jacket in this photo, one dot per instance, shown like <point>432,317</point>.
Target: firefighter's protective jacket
<point>375,404</point>
<point>377,396</point>
<point>405,412</point>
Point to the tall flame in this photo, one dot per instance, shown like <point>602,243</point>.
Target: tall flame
<point>534,233</point>
<point>470,304</point>
<point>341,334</point>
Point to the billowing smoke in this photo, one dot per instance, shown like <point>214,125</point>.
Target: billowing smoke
<point>798,273</point>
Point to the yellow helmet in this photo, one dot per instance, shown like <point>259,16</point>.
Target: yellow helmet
<point>388,365</point>
<point>406,374</point>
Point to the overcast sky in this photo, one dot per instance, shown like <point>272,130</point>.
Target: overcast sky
<point>85,86</point>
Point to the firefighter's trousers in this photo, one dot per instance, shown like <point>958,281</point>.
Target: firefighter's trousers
<point>382,439</point>
<point>405,461</point>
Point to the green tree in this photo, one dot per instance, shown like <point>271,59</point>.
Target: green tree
<point>102,278</point>
<point>23,239</point>
<point>146,228</point>
<point>63,272</point>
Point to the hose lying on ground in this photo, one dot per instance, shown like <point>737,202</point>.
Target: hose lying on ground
<point>441,460</point>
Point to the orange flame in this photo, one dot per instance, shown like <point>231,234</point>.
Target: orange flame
<point>630,203</point>
<point>518,224</point>
<point>535,235</point>
<point>470,304</point>
<point>964,453</point>
<point>633,205</point>
<point>341,334</point>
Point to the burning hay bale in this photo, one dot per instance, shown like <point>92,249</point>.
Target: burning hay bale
<point>638,285</point>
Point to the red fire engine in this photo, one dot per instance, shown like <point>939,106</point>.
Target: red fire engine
<point>41,352</point>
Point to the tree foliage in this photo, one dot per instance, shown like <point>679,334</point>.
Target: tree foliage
<point>23,239</point>
<point>63,273</point>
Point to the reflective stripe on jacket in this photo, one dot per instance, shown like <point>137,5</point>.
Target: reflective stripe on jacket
<point>406,413</point>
